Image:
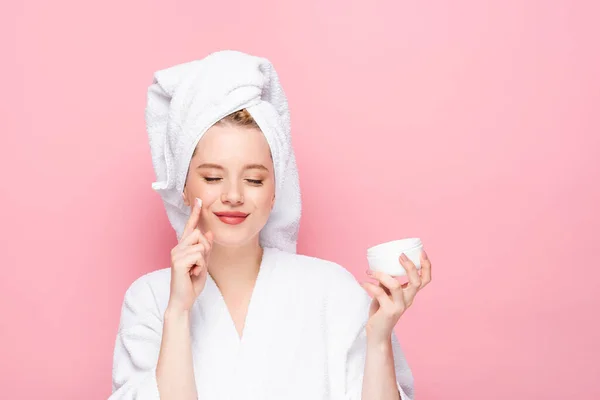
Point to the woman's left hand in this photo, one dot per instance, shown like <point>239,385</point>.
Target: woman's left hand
<point>391,299</point>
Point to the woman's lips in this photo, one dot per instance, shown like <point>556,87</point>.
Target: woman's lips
<point>232,218</point>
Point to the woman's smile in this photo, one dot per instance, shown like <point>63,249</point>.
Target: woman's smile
<point>231,217</point>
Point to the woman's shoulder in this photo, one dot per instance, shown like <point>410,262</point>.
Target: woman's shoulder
<point>152,287</point>
<point>334,286</point>
<point>337,278</point>
<point>155,280</point>
<point>310,263</point>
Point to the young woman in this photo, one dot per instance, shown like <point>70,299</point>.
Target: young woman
<point>239,314</point>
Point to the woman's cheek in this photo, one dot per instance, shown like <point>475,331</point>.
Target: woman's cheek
<point>266,197</point>
<point>209,194</point>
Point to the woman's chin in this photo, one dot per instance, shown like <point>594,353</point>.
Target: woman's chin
<point>233,239</point>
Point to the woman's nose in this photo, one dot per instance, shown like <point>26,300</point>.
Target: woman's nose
<point>232,195</point>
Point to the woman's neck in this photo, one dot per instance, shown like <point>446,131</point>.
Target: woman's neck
<point>235,266</point>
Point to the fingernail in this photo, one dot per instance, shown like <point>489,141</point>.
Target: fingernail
<point>369,272</point>
<point>424,255</point>
<point>403,257</point>
<point>198,202</point>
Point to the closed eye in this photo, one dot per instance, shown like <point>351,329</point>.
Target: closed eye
<point>257,182</point>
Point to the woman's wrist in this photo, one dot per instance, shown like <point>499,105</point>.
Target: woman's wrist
<point>174,313</point>
<point>375,335</point>
<point>379,342</point>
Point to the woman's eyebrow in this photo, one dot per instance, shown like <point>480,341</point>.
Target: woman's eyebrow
<point>256,166</point>
<point>210,165</point>
<point>247,166</point>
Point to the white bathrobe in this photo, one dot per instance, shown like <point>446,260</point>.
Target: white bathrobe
<point>304,336</point>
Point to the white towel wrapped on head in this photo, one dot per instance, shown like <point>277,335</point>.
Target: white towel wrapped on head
<point>185,100</point>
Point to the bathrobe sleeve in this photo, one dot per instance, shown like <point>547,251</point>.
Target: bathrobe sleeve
<point>348,312</point>
<point>137,345</point>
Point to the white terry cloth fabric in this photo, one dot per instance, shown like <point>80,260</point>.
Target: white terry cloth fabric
<point>185,100</point>
<point>304,336</point>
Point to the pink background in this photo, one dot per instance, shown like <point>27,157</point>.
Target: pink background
<point>471,124</point>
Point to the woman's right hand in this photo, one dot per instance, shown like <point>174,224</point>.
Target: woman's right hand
<point>189,263</point>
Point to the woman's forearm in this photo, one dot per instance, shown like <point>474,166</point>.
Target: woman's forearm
<point>379,382</point>
<point>175,370</point>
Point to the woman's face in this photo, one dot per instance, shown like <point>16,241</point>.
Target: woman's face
<point>232,173</point>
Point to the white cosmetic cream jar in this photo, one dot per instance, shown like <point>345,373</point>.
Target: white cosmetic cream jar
<point>385,257</point>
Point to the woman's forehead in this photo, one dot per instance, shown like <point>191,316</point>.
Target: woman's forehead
<point>233,144</point>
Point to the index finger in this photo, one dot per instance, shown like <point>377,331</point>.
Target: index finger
<point>414,280</point>
<point>193,220</point>
<point>392,285</point>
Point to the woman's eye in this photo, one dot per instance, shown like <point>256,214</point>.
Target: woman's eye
<point>210,179</point>
<point>255,181</point>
